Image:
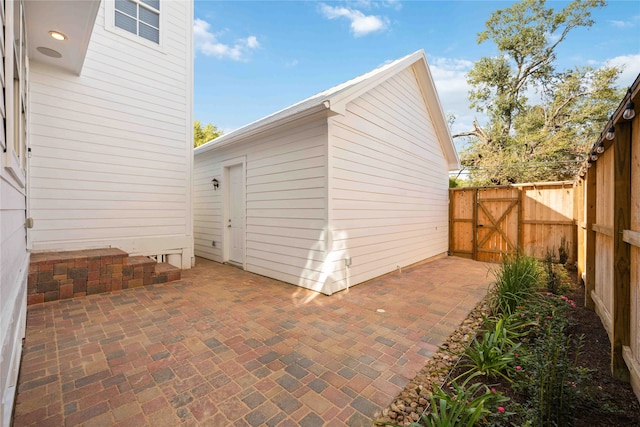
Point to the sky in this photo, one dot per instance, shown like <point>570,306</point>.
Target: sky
<point>253,58</point>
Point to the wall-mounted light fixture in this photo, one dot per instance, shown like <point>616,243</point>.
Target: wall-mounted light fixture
<point>215,183</point>
<point>600,148</point>
<point>611,133</point>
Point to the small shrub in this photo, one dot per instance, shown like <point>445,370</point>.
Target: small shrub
<point>492,355</point>
<point>558,281</point>
<point>539,311</point>
<point>518,327</point>
<point>551,276</point>
<point>517,279</point>
<point>549,374</point>
<point>466,406</point>
<point>563,251</point>
<point>554,378</point>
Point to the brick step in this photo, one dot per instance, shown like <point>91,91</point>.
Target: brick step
<point>166,272</point>
<point>61,275</point>
<point>138,260</point>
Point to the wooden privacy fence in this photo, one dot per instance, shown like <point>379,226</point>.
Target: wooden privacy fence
<point>608,216</point>
<point>487,222</point>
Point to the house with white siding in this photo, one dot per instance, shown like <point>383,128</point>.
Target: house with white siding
<point>96,141</point>
<point>342,187</point>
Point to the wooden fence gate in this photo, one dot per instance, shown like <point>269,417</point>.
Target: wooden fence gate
<point>484,222</point>
<point>487,222</point>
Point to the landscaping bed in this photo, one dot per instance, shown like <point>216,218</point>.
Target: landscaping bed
<point>541,373</point>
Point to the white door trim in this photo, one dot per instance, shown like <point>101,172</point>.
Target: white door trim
<point>226,165</point>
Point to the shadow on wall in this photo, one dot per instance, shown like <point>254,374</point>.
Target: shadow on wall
<point>327,276</point>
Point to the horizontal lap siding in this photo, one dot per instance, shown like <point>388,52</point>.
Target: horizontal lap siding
<point>389,186</point>
<point>207,207</point>
<point>111,156</point>
<point>285,203</point>
<point>14,261</point>
<point>13,285</point>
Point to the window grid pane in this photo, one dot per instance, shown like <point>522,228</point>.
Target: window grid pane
<point>128,7</point>
<point>138,17</point>
<point>153,3</point>
<point>126,22</point>
<point>150,18</point>
<point>149,33</point>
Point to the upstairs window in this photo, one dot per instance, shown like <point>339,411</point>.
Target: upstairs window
<point>140,17</point>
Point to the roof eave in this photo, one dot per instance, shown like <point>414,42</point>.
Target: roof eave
<point>246,133</point>
<point>422,72</point>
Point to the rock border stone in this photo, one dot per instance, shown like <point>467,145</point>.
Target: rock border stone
<point>412,402</point>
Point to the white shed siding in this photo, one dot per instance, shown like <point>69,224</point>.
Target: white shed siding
<point>111,152</point>
<point>207,207</point>
<point>285,203</point>
<point>389,186</point>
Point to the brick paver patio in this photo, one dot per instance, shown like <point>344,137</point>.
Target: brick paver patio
<point>223,347</point>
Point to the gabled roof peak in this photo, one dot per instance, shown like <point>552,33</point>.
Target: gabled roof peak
<point>336,98</point>
<point>321,100</point>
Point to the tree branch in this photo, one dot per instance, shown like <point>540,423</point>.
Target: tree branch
<point>477,131</point>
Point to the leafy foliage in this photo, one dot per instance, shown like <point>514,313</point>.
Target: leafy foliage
<point>517,279</point>
<point>551,376</point>
<point>524,140</point>
<point>492,354</point>
<point>464,406</point>
<point>206,134</point>
<point>558,281</point>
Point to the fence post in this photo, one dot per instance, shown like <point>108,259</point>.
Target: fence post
<point>590,237</point>
<point>475,224</point>
<point>451,210</point>
<point>520,242</point>
<point>621,250</point>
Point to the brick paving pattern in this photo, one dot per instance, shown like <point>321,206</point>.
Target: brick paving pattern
<point>223,347</point>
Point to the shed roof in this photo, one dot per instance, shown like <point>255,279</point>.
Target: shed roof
<point>336,98</point>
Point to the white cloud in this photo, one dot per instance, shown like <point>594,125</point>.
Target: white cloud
<point>208,44</point>
<point>630,65</point>
<point>395,4</point>
<point>450,78</point>
<point>252,42</point>
<point>377,4</point>
<point>361,24</point>
<point>631,22</point>
<point>620,24</point>
<point>291,63</point>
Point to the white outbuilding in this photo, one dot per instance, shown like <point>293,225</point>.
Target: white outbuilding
<point>342,187</point>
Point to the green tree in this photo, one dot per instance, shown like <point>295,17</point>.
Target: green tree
<point>534,141</point>
<point>206,134</point>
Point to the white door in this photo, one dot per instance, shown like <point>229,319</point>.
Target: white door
<point>235,221</point>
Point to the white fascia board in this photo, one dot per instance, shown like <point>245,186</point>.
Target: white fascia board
<point>340,100</point>
<point>430,95</point>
